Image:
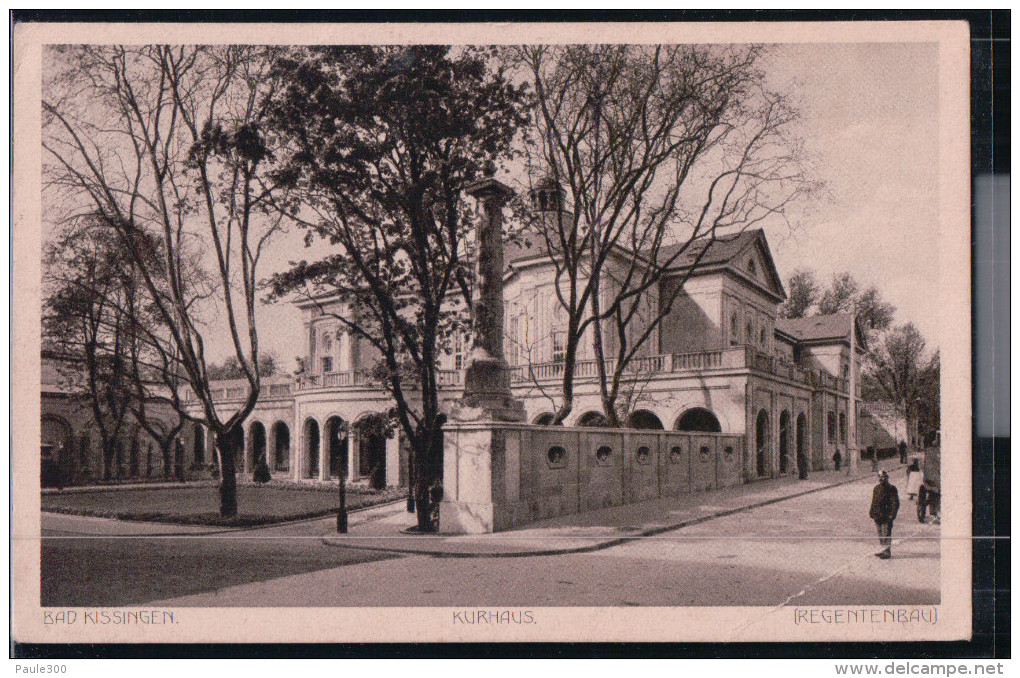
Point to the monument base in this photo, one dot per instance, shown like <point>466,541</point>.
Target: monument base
<point>481,478</point>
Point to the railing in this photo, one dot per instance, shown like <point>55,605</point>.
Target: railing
<point>446,378</point>
<point>740,357</point>
<point>354,378</point>
<point>279,390</point>
<point>334,379</point>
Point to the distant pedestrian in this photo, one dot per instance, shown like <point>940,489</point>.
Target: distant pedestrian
<point>837,459</point>
<point>903,452</point>
<point>885,504</point>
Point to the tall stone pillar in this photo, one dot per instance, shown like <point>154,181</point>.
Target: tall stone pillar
<point>353,445</point>
<point>487,393</point>
<point>324,451</point>
<point>476,453</point>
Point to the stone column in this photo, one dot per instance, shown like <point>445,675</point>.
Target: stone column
<point>476,453</point>
<point>210,448</point>
<point>248,452</point>
<point>353,442</point>
<point>324,451</point>
<point>487,393</point>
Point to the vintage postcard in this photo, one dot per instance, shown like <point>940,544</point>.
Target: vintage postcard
<point>491,332</point>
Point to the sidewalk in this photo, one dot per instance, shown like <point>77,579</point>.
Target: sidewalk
<point>381,529</point>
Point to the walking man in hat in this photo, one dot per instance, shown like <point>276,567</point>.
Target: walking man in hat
<point>885,503</point>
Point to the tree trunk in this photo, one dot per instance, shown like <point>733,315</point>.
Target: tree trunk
<point>426,473</point>
<point>109,452</point>
<point>166,450</point>
<point>411,475</point>
<point>228,474</point>
<point>421,484</point>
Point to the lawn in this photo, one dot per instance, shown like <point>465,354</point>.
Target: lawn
<point>257,505</point>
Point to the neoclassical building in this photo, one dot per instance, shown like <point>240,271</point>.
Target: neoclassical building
<point>722,361</point>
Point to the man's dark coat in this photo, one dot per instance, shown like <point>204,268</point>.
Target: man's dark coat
<point>885,503</point>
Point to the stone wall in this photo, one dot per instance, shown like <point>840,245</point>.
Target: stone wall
<point>499,476</point>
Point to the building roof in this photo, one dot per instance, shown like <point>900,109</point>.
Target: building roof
<point>820,328</point>
<point>721,250</point>
<point>715,253</point>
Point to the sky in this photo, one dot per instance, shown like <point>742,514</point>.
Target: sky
<point>869,122</point>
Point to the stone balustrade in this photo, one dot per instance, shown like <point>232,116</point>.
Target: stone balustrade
<point>736,358</point>
<point>740,357</point>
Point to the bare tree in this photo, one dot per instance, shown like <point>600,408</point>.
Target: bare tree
<point>87,328</point>
<point>166,144</point>
<point>660,148</point>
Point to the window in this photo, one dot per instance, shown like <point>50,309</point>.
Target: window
<point>327,364</point>
<point>549,200</point>
<point>311,345</point>
<point>604,455</point>
<point>751,267</point>
<point>557,457</point>
<point>676,454</point>
<point>750,333</point>
<point>734,334</point>
<point>643,455</point>
<point>559,347</point>
<point>842,427</point>
<point>327,342</point>
<point>511,341</point>
<point>458,352</point>
<point>832,427</point>
<point>763,337</point>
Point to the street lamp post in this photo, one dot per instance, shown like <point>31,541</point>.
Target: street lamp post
<point>341,514</point>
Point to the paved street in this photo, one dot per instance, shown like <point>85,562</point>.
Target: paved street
<point>809,550</point>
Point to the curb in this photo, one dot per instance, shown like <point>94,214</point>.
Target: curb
<point>199,535</point>
<point>616,541</point>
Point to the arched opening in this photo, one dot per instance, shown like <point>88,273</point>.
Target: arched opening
<point>784,442</point>
<point>85,453</point>
<point>336,439</point>
<point>55,448</point>
<point>257,444</point>
<point>544,419</point>
<point>372,449</point>
<point>281,444</point>
<point>762,443</point>
<point>198,451</point>
<point>699,420</point>
<point>645,420</point>
<point>592,419</point>
<point>311,435</point>
<point>155,463</point>
<point>802,458</point>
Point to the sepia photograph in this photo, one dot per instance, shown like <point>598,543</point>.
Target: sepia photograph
<point>571,332</point>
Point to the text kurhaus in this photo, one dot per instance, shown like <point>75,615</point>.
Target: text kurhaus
<point>493,617</point>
